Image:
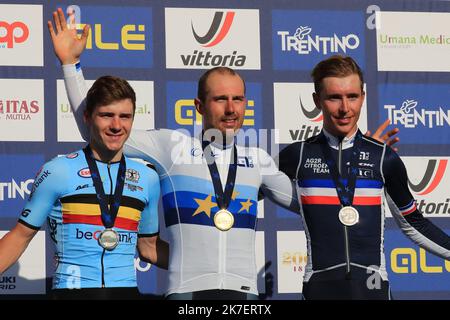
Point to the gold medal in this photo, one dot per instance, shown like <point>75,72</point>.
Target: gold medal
<point>223,220</point>
<point>108,239</point>
<point>348,216</point>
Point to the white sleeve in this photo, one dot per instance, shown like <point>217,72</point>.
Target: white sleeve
<point>76,92</point>
<point>151,145</point>
<point>276,185</point>
<point>161,147</point>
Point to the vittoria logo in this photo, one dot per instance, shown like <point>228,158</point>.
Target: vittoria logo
<point>216,33</point>
<point>315,115</point>
<point>204,38</point>
<point>432,177</point>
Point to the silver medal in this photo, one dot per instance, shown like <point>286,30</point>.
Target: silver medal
<point>348,216</point>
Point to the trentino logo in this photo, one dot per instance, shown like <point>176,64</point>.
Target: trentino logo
<point>410,117</point>
<point>17,181</point>
<point>300,39</point>
<point>420,109</point>
<point>304,43</point>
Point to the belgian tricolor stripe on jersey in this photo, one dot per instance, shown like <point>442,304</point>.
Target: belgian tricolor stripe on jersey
<point>84,208</point>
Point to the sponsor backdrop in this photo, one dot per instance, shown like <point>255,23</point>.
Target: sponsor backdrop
<point>162,47</point>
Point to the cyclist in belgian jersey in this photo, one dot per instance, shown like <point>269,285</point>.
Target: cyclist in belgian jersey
<point>99,205</point>
<point>342,179</point>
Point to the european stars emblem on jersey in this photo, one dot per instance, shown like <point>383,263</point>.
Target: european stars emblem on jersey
<point>205,205</point>
<point>246,206</point>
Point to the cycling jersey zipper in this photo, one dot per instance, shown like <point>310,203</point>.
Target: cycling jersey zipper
<point>347,249</point>
<point>109,205</point>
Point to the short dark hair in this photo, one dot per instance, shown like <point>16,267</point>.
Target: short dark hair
<point>106,90</point>
<point>335,66</point>
<point>202,91</point>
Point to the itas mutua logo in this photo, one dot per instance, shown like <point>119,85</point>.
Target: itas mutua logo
<point>18,109</point>
<point>218,30</point>
<point>303,41</point>
<point>432,178</point>
<point>12,34</point>
<point>411,116</point>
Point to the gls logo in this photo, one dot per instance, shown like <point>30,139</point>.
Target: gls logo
<point>187,115</point>
<point>14,33</point>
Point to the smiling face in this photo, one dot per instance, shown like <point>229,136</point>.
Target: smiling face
<point>110,127</point>
<point>341,100</point>
<point>224,104</point>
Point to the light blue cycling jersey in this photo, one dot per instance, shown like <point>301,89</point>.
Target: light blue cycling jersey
<point>64,194</point>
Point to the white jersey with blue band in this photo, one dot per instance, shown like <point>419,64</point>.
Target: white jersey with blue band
<point>201,256</point>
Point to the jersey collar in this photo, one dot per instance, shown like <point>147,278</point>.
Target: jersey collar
<point>334,141</point>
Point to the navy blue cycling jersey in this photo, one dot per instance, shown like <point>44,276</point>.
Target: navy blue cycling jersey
<point>64,194</point>
<point>380,175</point>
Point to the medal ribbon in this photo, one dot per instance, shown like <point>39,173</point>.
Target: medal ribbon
<point>345,192</point>
<point>109,213</point>
<point>222,198</point>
